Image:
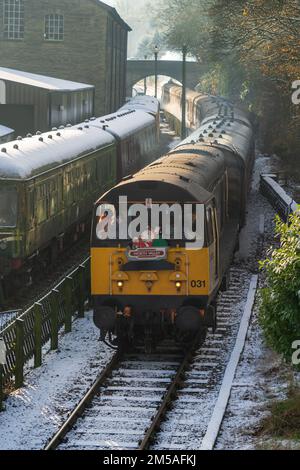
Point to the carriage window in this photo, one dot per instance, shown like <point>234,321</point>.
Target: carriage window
<point>8,207</point>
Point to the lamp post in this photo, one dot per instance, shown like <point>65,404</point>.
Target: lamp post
<point>145,79</point>
<point>156,50</point>
<point>183,101</point>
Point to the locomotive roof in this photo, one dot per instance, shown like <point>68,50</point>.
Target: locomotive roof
<point>5,131</point>
<point>23,159</point>
<point>146,103</point>
<point>41,81</point>
<point>123,123</point>
<point>224,133</point>
<point>186,177</point>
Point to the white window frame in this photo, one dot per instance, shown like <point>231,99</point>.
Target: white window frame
<point>13,19</point>
<point>54,29</point>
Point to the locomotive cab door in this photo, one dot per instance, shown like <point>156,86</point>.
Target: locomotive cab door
<point>213,243</point>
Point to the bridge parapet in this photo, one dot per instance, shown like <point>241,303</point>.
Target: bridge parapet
<point>139,69</point>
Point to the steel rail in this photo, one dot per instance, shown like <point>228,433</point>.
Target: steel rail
<point>81,407</point>
<point>169,396</point>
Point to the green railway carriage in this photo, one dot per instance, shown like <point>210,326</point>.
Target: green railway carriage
<point>48,184</point>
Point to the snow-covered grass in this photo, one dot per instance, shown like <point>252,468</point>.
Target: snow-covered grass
<point>261,377</point>
<point>34,413</point>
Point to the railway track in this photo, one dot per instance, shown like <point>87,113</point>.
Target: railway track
<point>125,406</point>
<point>162,401</point>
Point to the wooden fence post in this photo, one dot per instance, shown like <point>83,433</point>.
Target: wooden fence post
<point>38,319</point>
<point>19,371</point>
<point>81,289</point>
<point>54,319</point>
<point>68,304</point>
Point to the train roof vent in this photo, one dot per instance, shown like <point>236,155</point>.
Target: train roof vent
<point>80,128</point>
<point>16,147</point>
<point>229,125</point>
<point>41,139</point>
<point>69,125</point>
<point>216,142</point>
<point>201,139</point>
<point>210,135</point>
<point>86,127</point>
<point>221,136</point>
<point>29,135</point>
<point>183,178</point>
<point>3,150</point>
<point>205,131</point>
<point>19,137</point>
<point>38,133</point>
<point>58,134</point>
<point>61,127</point>
<point>86,120</point>
<point>54,129</point>
<point>50,136</point>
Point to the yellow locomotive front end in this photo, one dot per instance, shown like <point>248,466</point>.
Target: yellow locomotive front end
<point>159,289</point>
<point>154,260</point>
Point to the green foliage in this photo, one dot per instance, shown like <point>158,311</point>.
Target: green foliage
<point>254,48</point>
<point>280,301</point>
<point>148,44</point>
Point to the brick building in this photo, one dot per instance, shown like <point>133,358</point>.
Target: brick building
<point>79,40</point>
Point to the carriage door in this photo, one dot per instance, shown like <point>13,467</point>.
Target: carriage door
<point>213,242</point>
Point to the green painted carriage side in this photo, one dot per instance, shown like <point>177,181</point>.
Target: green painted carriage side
<point>51,203</point>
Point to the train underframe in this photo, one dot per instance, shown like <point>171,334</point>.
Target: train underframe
<point>124,321</point>
<point>24,272</point>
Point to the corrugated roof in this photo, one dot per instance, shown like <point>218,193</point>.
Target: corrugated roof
<point>41,81</point>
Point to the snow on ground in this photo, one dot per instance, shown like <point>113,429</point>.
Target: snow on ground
<point>34,413</point>
<point>6,318</point>
<point>261,375</point>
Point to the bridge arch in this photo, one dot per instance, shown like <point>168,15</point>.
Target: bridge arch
<point>137,70</point>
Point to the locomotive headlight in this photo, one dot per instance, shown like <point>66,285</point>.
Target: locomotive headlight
<point>120,284</point>
<point>178,285</point>
<point>149,285</point>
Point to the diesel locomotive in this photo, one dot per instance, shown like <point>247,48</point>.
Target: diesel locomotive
<point>49,182</point>
<point>162,284</point>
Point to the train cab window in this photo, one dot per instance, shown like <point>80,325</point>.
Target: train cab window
<point>209,226</point>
